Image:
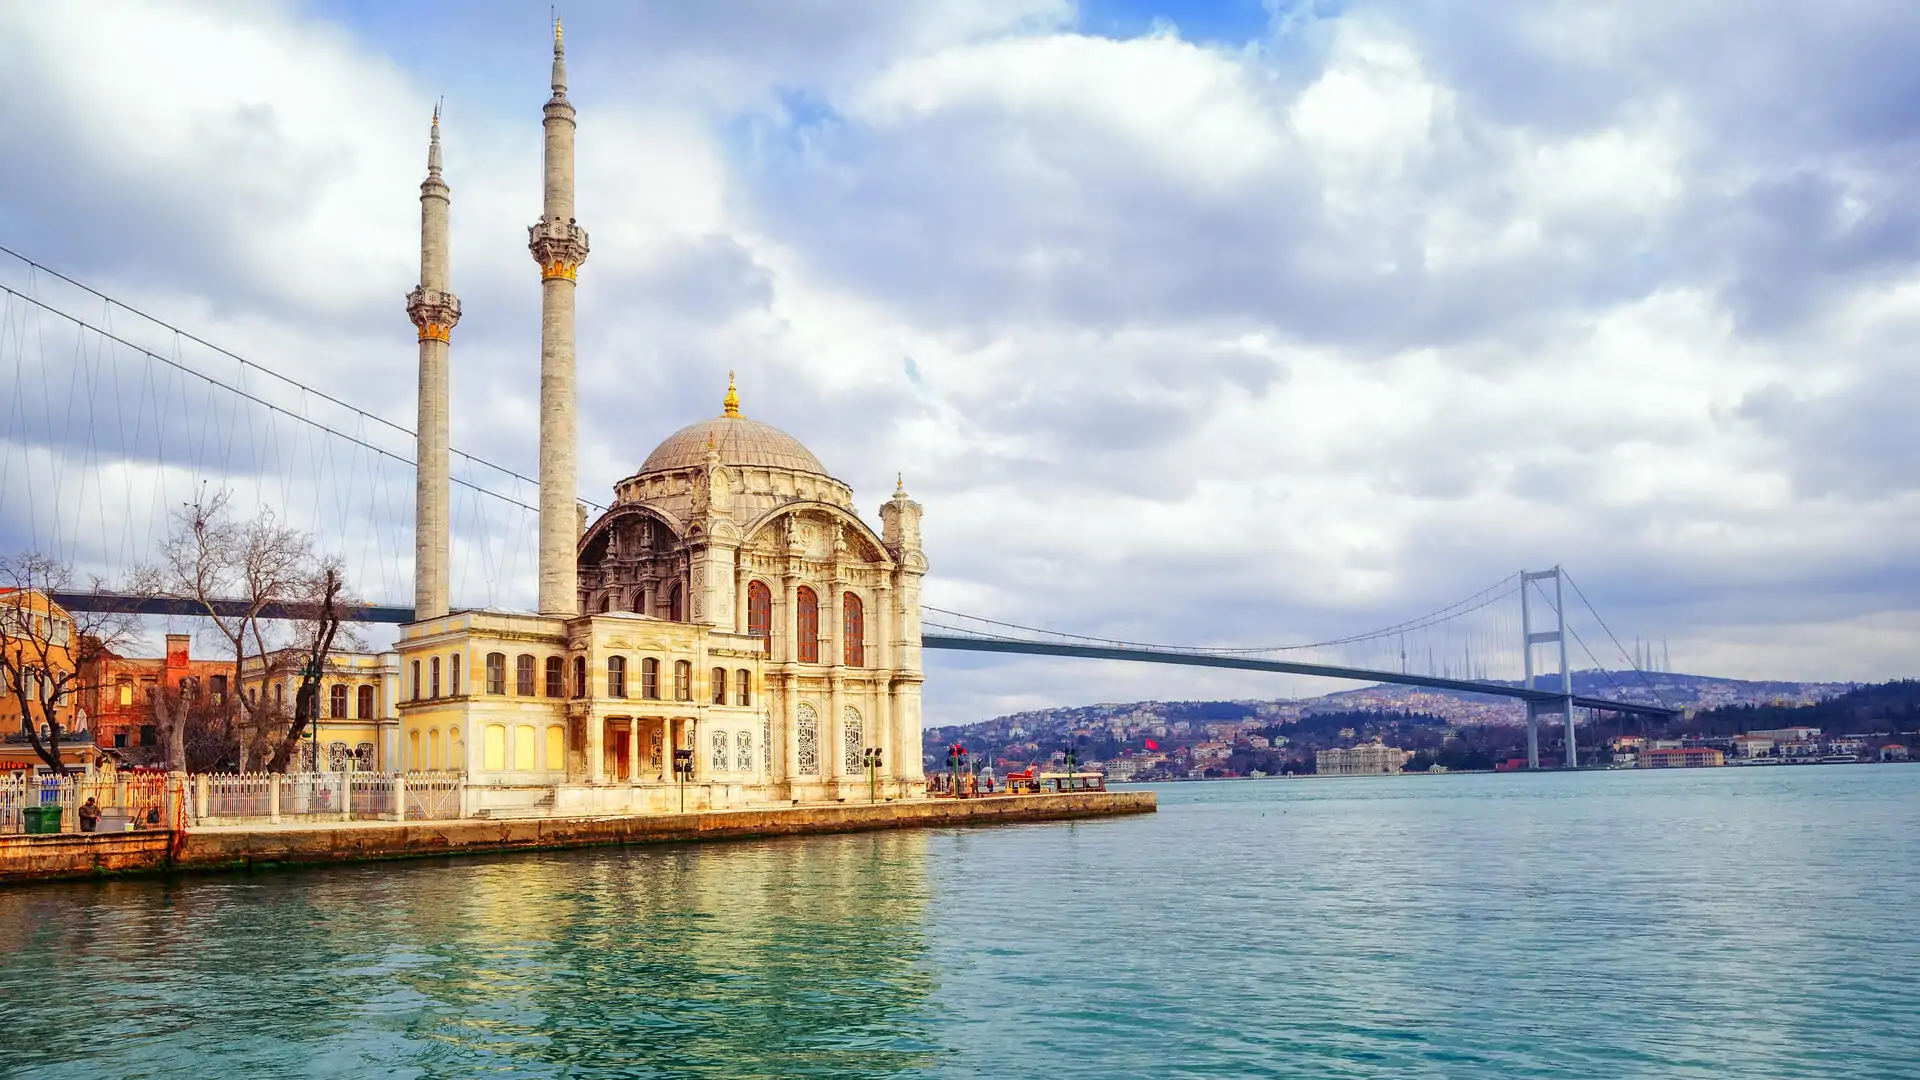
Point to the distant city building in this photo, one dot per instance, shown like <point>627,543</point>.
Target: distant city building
<point>1752,746</point>
<point>1367,759</point>
<point>1893,752</point>
<point>1681,757</point>
<point>1788,734</point>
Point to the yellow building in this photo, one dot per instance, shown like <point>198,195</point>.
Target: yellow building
<point>37,636</point>
<point>358,726</point>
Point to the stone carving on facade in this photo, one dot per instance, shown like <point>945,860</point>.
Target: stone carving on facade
<point>855,741</point>
<point>806,729</point>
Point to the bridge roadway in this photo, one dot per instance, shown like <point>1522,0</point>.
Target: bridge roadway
<point>146,605</point>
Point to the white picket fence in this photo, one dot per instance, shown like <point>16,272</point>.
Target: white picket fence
<point>136,797</point>
<point>168,801</point>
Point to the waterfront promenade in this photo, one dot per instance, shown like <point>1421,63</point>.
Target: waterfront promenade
<point>241,847</point>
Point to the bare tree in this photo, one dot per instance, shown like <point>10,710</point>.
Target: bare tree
<point>277,606</point>
<point>51,657</point>
<point>195,733</point>
<point>321,612</point>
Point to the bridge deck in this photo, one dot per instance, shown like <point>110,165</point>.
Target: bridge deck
<point>142,605</point>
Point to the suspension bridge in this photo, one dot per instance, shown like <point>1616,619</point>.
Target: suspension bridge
<point>115,417</point>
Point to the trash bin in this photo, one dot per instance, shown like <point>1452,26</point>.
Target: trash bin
<point>41,819</point>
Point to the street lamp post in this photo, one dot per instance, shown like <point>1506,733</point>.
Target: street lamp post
<point>682,768</point>
<point>1069,759</point>
<point>873,774</point>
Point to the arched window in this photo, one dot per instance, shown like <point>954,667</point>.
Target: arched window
<point>616,676</point>
<point>126,691</point>
<point>555,679</point>
<point>719,679</point>
<point>650,679</point>
<point>366,703</point>
<point>760,614</point>
<point>720,760</point>
<point>579,676</point>
<point>279,694</point>
<point>806,732</point>
<point>743,752</point>
<point>742,687</point>
<point>337,701</point>
<point>415,695</point>
<point>363,756</point>
<point>638,601</point>
<point>453,675</point>
<point>496,673</point>
<point>434,760</point>
<point>854,740</point>
<point>606,602</point>
<point>682,680</point>
<point>338,756</point>
<point>854,631</point>
<point>807,625</point>
<point>433,677</point>
<point>677,604</point>
<point>414,764</point>
<point>493,748</point>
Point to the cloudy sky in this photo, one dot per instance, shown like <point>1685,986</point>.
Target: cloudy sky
<point>1187,322</point>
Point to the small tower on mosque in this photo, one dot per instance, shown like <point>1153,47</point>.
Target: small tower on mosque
<point>434,311</point>
<point>559,245</point>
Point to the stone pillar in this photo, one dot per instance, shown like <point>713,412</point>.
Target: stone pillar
<point>633,750</point>
<point>790,620</point>
<point>833,610</point>
<point>742,581</point>
<point>833,763</point>
<point>434,311</point>
<point>881,623</point>
<point>884,736</point>
<point>559,245</point>
<point>789,729</point>
<point>596,748</point>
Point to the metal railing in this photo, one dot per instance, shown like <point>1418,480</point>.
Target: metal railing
<point>178,800</point>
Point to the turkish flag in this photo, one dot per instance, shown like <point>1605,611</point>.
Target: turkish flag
<point>1151,745</point>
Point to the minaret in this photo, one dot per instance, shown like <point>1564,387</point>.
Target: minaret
<point>433,310</point>
<point>559,245</point>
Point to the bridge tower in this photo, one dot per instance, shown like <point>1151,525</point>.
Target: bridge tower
<point>1529,639</point>
<point>434,311</point>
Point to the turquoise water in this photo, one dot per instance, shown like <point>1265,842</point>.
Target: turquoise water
<point>1710,923</point>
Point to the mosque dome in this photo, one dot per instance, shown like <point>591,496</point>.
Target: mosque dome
<point>738,440</point>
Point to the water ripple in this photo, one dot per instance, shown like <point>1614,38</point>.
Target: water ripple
<point>1725,923</point>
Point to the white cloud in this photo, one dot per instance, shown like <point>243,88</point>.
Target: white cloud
<point>1208,342</point>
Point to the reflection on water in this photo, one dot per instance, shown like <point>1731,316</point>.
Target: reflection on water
<point>778,959</point>
<point>1710,923</point>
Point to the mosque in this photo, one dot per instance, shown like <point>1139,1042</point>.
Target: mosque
<point>730,633</point>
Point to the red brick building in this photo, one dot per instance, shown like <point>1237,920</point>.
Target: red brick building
<point>116,702</point>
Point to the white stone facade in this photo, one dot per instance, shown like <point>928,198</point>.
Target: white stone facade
<point>731,608</point>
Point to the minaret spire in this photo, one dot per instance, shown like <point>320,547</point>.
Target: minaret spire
<point>434,311</point>
<point>559,245</point>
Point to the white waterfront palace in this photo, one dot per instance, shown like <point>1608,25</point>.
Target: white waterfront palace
<point>731,606</point>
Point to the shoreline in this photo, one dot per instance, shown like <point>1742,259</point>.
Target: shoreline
<point>28,859</point>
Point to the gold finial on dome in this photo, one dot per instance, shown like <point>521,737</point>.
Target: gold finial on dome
<point>899,485</point>
<point>732,401</point>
